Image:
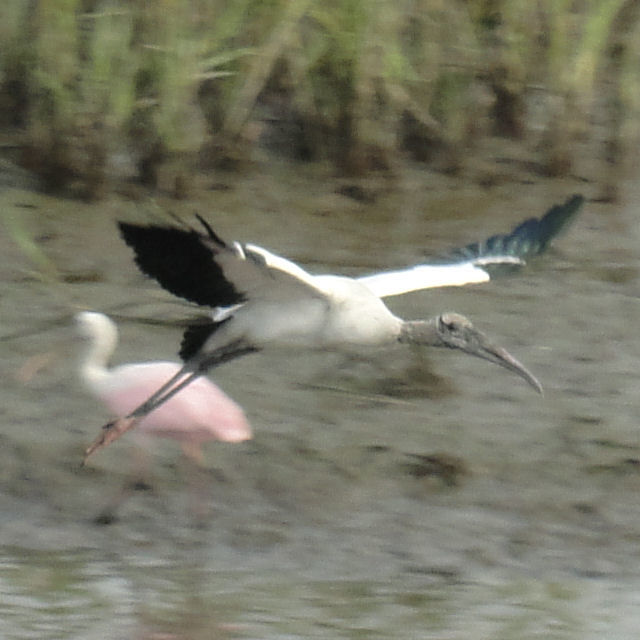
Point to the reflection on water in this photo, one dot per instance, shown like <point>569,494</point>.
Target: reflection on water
<point>45,595</point>
<point>403,498</point>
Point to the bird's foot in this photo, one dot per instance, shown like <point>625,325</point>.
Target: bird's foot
<point>110,432</point>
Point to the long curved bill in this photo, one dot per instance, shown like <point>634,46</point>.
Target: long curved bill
<point>484,349</point>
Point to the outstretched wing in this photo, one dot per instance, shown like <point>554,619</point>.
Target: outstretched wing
<point>478,261</point>
<point>204,269</point>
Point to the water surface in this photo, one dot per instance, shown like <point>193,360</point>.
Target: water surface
<point>424,497</point>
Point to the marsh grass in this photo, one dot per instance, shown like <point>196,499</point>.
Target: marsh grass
<point>362,83</point>
<point>44,269</point>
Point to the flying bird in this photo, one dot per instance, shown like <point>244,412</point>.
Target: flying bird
<point>199,413</point>
<point>258,299</point>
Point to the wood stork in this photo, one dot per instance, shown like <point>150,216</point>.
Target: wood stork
<point>258,299</point>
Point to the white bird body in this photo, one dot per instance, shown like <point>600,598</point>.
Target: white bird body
<point>335,313</point>
<point>294,322</point>
<point>357,316</point>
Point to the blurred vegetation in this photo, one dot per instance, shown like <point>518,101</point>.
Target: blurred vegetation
<point>44,269</point>
<point>97,89</point>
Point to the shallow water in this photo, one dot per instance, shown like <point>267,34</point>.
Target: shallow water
<point>439,499</point>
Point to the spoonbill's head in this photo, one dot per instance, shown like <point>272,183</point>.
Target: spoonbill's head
<point>92,323</point>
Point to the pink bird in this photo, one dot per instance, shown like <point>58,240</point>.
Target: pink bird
<point>197,414</point>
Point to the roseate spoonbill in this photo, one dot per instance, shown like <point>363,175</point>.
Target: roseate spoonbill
<point>197,414</point>
<point>258,299</point>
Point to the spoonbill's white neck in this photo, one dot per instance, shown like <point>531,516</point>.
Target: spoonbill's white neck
<point>103,338</point>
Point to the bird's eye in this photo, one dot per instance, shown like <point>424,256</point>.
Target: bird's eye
<point>448,325</point>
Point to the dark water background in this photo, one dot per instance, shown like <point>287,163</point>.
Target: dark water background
<point>436,498</point>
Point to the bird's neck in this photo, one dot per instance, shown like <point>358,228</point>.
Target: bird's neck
<point>93,367</point>
<point>424,332</point>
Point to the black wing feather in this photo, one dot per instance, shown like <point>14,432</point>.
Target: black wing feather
<point>212,234</point>
<point>530,238</point>
<point>182,261</point>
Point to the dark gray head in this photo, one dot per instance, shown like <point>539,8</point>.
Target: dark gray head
<point>456,332</point>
